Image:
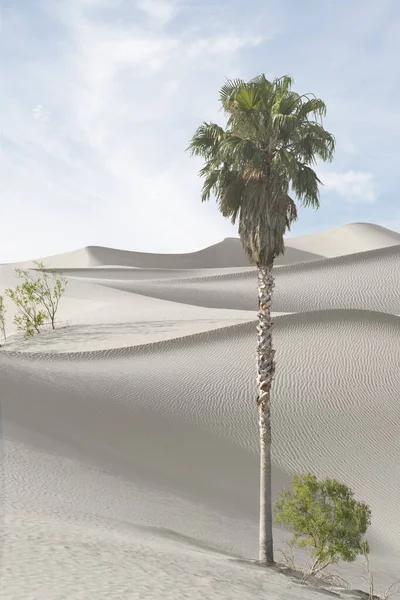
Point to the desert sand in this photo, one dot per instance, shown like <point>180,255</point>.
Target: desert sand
<point>129,455</point>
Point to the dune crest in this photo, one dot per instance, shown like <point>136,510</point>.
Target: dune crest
<point>347,239</point>
<point>338,241</point>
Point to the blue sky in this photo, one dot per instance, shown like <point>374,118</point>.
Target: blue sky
<point>99,104</point>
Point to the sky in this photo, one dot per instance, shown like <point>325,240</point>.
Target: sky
<point>100,100</point>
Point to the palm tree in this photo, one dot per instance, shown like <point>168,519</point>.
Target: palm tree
<point>251,166</point>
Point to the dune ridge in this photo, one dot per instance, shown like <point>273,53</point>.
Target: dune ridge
<point>368,280</point>
<point>338,241</point>
<point>225,254</point>
<point>130,435</point>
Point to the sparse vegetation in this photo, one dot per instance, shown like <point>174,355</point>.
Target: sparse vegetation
<point>37,299</point>
<point>29,317</point>
<point>50,289</point>
<point>3,318</point>
<point>329,578</point>
<point>325,517</point>
<point>391,590</point>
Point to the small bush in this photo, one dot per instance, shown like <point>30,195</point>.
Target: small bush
<point>37,299</point>
<point>30,316</point>
<point>50,288</point>
<point>325,517</point>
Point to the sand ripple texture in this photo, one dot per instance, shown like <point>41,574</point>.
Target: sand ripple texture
<point>130,469</point>
<point>367,280</point>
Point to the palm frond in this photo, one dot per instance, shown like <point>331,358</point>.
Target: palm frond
<point>265,89</point>
<point>291,212</point>
<point>205,139</point>
<point>283,84</point>
<point>305,184</point>
<point>230,202</point>
<point>316,106</point>
<point>229,90</point>
<point>238,150</point>
<point>272,138</point>
<point>247,98</point>
<point>209,185</point>
<point>313,141</point>
<point>286,103</point>
<point>283,125</point>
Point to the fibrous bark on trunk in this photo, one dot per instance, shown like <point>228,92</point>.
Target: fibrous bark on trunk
<point>265,372</point>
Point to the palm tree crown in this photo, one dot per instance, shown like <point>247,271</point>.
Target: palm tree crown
<point>271,138</point>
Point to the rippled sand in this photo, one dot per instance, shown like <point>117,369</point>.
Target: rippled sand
<point>130,434</point>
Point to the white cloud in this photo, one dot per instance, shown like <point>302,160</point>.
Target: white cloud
<point>41,115</point>
<point>125,99</point>
<point>159,10</point>
<point>353,186</point>
<point>122,86</point>
<point>223,45</point>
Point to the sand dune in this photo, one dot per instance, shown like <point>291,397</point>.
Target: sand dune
<point>368,280</point>
<point>347,239</point>
<point>338,241</point>
<point>228,253</point>
<point>130,435</point>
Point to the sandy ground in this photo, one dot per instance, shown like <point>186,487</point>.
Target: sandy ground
<point>129,460</point>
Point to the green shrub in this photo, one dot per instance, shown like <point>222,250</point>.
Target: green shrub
<point>50,288</point>
<point>325,517</point>
<point>37,298</point>
<point>30,315</point>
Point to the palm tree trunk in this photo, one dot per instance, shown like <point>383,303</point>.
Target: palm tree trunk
<point>265,372</point>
